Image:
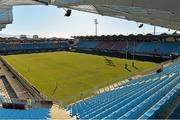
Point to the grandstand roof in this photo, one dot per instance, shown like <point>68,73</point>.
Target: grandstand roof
<point>165,13</point>
<point>5,16</point>
<point>139,37</point>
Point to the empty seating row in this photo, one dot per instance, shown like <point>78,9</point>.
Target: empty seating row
<point>176,113</point>
<point>8,47</point>
<point>34,113</point>
<point>162,48</point>
<point>153,112</point>
<point>86,44</point>
<point>132,100</point>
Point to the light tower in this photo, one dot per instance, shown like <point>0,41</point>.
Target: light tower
<point>154,30</point>
<point>96,23</point>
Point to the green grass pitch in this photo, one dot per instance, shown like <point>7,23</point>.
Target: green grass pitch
<point>72,73</point>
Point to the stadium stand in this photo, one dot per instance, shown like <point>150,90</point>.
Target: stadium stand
<point>119,45</point>
<point>10,47</point>
<point>86,44</point>
<point>143,48</point>
<point>12,107</point>
<point>176,113</point>
<point>142,45</point>
<point>147,47</point>
<point>108,46</point>
<point>34,113</point>
<point>146,97</point>
<point>64,45</point>
<point>167,47</point>
<point>142,98</point>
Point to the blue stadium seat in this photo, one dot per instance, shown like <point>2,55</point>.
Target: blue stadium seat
<point>167,48</point>
<point>132,99</point>
<point>84,44</point>
<point>29,46</point>
<point>154,47</point>
<point>153,111</point>
<point>34,113</point>
<point>147,47</point>
<point>64,45</point>
<point>176,113</point>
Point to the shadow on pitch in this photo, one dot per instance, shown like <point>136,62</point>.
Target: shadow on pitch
<point>109,62</point>
<point>128,69</point>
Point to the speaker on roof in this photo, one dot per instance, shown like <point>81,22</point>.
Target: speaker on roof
<point>46,2</point>
<point>141,25</point>
<point>68,13</point>
<point>174,33</point>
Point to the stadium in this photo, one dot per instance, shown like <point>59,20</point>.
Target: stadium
<point>93,77</point>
